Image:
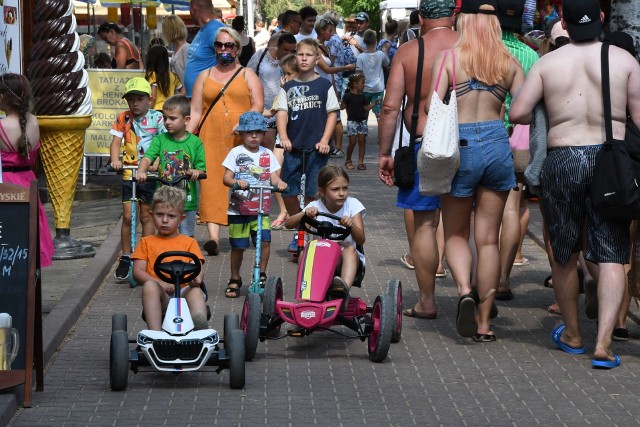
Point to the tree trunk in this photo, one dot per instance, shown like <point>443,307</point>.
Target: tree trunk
<point>625,16</point>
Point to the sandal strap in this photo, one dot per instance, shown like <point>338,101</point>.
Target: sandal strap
<point>235,282</point>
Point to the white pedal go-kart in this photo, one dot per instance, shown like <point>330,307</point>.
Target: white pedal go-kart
<point>178,347</point>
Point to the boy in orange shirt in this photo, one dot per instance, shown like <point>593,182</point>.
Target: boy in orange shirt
<point>167,210</point>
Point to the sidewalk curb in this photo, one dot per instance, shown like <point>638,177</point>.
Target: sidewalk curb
<point>65,314</point>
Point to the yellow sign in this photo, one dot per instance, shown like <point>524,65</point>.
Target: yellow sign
<point>107,88</point>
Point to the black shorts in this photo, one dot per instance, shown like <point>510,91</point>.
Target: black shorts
<point>566,181</point>
<point>144,192</point>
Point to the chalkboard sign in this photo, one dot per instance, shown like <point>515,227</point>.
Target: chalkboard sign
<point>19,262</point>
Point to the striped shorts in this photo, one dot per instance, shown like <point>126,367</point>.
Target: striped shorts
<point>566,181</point>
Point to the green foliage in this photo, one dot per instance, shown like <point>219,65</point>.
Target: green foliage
<point>372,7</point>
<point>272,8</point>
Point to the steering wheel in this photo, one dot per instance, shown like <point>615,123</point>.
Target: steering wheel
<point>177,270</point>
<point>325,229</point>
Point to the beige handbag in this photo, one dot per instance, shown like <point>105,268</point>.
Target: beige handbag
<point>439,156</point>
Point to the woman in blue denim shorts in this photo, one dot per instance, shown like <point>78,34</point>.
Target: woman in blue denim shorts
<point>485,73</point>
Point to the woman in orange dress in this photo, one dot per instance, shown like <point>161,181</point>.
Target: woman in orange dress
<point>243,94</point>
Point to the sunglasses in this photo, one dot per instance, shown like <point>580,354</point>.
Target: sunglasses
<point>227,45</point>
<point>360,22</point>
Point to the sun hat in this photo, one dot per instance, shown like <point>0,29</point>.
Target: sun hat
<point>582,18</point>
<point>252,120</point>
<point>137,86</point>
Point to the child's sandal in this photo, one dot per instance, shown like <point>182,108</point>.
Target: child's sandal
<point>362,167</point>
<point>349,165</point>
<point>233,292</point>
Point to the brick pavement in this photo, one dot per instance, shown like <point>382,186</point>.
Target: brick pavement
<point>431,377</point>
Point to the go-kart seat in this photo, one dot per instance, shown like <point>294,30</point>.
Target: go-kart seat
<point>206,298</point>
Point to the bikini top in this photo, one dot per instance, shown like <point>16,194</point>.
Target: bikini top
<point>473,84</point>
<point>131,58</point>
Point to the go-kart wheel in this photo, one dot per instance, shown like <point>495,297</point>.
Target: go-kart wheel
<point>380,337</point>
<point>272,294</point>
<point>235,348</point>
<point>250,323</point>
<point>231,323</point>
<point>119,322</point>
<point>394,290</point>
<point>119,360</point>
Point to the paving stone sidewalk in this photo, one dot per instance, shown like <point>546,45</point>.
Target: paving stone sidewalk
<point>432,377</point>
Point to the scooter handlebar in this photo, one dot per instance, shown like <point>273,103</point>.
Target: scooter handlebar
<point>273,188</point>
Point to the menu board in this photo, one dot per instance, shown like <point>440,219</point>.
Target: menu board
<point>11,37</point>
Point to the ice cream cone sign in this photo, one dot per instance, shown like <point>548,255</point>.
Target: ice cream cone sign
<point>62,103</point>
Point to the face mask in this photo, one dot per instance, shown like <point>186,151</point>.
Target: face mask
<point>225,58</point>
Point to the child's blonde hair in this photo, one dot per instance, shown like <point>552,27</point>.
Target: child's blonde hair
<point>327,174</point>
<point>310,43</point>
<point>174,197</point>
<point>290,61</point>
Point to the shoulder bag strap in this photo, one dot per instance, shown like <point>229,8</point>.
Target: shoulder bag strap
<point>606,92</point>
<point>224,88</point>
<point>416,96</point>
<point>264,52</point>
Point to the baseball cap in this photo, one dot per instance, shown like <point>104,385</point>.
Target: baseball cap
<point>137,86</point>
<point>435,9</point>
<point>582,18</point>
<point>251,120</point>
<point>473,6</point>
<point>362,16</point>
<point>510,13</point>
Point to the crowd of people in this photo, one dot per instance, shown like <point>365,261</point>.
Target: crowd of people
<point>268,109</point>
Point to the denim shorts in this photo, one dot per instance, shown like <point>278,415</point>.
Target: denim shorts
<point>411,198</point>
<point>485,160</point>
<point>188,224</point>
<point>292,172</point>
<point>245,227</point>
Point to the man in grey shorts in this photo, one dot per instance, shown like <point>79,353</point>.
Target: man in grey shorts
<point>576,133</point>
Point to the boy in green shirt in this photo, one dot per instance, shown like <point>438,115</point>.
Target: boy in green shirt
<point>181,153</point>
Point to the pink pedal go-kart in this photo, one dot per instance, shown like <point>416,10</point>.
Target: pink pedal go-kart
<point>315,307</point>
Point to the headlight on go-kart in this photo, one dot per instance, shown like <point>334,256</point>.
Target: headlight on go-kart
<point>211,339</point>
<point>144,340</point>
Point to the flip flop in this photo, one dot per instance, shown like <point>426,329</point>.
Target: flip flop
<point>443,274</point>
<point>606,364</point>
<point>555,336</point>
<point>522,263</point>
<point>405,261</point>
<point>278,224</point>
<point>211,246</point>
<point>552,310</point>
<point>490,337</point>
<point>411,312</point>
<point>362,167</point>
<point>349,165</point>
<point>466,317</point>
<point>505,296</point>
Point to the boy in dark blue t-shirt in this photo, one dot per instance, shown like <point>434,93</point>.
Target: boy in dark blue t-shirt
<point>306,116</point>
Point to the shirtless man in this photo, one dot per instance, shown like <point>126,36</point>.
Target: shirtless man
<point>576,132</point>
<point>436,21</point>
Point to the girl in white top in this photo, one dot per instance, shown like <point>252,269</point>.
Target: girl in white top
<point>333,192</point>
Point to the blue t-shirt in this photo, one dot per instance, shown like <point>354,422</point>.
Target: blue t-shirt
<point>201,54</point>
<point>307,105</point>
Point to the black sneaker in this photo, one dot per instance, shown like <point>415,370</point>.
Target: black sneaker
<point>122,271</point>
